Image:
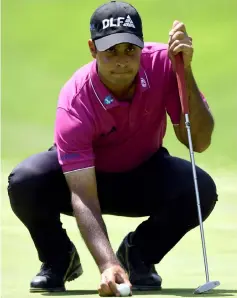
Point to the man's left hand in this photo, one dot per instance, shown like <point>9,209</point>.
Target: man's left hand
<point>179,41</point>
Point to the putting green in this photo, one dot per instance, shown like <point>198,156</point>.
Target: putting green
<point>43,43</point>
<point>182,269</point>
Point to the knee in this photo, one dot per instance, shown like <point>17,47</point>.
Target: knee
<point>21,185</point>
<point>207,193</point>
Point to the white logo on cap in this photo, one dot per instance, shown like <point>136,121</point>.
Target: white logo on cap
<point>118,22</point>
<point>128,22</point>
<point>143,82</point>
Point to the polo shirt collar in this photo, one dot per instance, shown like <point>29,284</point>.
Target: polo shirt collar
<point>104,96</point>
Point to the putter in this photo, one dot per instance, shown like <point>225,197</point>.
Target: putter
<point>209,285</point>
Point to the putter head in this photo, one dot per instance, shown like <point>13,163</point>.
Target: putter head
<point>206,287</point>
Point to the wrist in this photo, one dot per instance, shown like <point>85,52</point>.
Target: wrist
<point>108,264</point>
<point>188,70</point>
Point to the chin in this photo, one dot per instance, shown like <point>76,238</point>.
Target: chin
<point>122,82</point>
<point>122,78</point>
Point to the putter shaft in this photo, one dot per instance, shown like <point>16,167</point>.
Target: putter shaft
<point>187,124</point>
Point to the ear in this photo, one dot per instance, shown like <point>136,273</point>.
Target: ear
<point>92,48</point>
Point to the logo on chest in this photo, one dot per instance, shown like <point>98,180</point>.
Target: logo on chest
<point>143,83</point>
<point>108,100</point>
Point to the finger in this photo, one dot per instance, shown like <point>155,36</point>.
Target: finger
<point>123,278</point>
<point>175,23</point>
<point>104,290</point>
<point>179,35</point>
<point>104,287</point>
<point>111,281</point>
<point>183,48</point>
<point>173,46</point>
<point>114,289</point>
<point>119,279</point>
<point>101,294</point>
<point>178,27</point>
<point>186,43</point>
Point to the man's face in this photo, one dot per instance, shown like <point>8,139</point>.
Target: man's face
<point>119,64</point>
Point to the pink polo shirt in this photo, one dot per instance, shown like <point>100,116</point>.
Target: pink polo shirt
<point>93,129</point>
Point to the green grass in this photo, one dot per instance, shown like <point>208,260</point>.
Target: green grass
<point>43,43</point>
<point>182,269</point>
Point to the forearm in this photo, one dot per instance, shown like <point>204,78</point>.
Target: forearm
<point>201,120</point>
<point>94,233</point>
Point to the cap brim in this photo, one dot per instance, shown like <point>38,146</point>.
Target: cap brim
<point>109,41</point>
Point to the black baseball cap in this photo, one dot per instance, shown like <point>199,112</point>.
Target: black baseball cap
<point>116,22</point>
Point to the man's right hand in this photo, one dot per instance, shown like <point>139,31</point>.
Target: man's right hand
<point>86,207</point>
<point>109,278</point>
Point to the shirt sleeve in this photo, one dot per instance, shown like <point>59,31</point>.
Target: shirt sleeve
<point>73,139</point>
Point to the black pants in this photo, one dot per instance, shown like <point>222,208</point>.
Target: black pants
<point>161,188</point>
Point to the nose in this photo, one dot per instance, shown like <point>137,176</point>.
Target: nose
<point>121,62</point>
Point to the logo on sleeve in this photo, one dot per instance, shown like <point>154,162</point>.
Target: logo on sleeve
<point>70,156</point>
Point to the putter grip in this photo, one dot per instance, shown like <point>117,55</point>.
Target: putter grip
<point>181,82</point>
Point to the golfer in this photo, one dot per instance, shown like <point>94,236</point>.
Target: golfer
<point>108,158</point>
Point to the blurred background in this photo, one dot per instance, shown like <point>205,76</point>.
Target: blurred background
<point>43,43</point>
